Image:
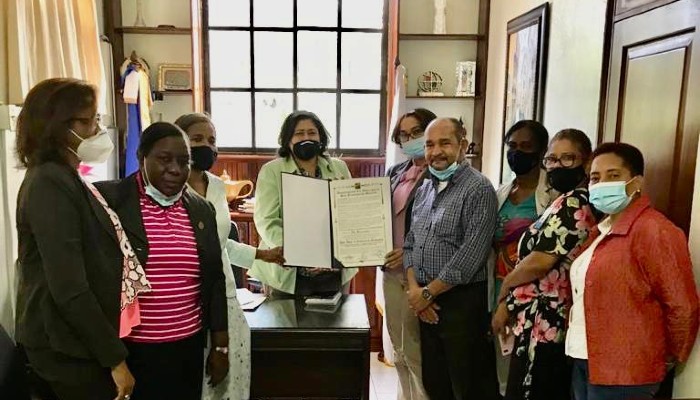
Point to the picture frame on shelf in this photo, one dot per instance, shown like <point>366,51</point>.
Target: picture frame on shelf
<point>466,79</point>
<point>526,68</point>
<point>174,77</point>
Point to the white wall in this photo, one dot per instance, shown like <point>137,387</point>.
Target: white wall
<point>574,66</point>
<point>416,16</point>
<point>3,53</point>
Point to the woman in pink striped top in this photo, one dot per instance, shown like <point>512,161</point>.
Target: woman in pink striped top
<point>174,235</point>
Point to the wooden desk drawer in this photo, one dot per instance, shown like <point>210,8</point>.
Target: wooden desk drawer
<point>309,374</point>
<point>347,340</point>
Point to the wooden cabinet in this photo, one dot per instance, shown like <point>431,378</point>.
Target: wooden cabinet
<point>298,353</point>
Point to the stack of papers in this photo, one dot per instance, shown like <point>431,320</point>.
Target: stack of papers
<point>248,206</point>
<point>323,304</point>
<point>248,300</point>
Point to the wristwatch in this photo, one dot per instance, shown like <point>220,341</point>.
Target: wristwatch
<point>222,350</point>
<point>425,293</point>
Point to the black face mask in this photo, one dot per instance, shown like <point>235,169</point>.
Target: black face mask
<point>306,149</point>
<point>521,163</point>
<point>564,180</point>
<point>203,157</point>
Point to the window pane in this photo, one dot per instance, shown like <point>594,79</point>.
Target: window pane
<point>361,66</point>
<point>363,13</point>
<point>270,111</point>
<point>359,121</point>
<point>273,59</point>
<point>317,12</point>
<point>231,115</point>
<point>323,105</point>
<point>317,59</point>
<point>229,59</point>
<point>279,13</point>
<point>229,12</point>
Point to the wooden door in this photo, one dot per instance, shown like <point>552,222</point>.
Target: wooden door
<point>653,97</point>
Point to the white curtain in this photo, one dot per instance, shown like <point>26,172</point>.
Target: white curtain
<point>393,156</point>
<point>50,39</point>
<point>398,108</point>
<point>10,180</point>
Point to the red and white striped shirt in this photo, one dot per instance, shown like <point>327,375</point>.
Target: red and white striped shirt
<point>172,310</point>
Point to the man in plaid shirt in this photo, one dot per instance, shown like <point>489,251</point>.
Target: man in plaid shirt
<point>445,254</point>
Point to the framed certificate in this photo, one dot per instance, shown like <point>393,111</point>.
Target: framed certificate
<point>340,223</point>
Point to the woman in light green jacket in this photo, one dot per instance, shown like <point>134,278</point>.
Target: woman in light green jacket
<point>303,142</point>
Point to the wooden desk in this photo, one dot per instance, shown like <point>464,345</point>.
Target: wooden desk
<point>363,283</point>
<point>299,354</point>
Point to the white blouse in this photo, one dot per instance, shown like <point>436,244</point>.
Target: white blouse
<point>235,253</point>
<point>576,344</point>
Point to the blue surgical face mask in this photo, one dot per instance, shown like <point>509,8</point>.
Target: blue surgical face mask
<point>446,173</point>
<point>157,195</point>
<point>610,197</point>
<point>414,148</point>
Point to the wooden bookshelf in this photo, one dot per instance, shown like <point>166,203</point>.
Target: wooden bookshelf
<point>153,30</point>
<point>430,36</point>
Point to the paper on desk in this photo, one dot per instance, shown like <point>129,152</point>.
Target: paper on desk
<point>248,300</point>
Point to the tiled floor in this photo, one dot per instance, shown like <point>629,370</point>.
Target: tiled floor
<point>383,380</point>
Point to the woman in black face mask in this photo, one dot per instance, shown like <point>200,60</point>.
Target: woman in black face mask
<point>303,140</point>
<point>535,296</point>
<point>521,202</point>
<point>202,135</point>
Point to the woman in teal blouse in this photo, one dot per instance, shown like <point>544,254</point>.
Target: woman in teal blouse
<point>303,142</point>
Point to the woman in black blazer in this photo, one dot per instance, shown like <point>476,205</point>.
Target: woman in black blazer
<point>70,262</point>
<point>173,233</point>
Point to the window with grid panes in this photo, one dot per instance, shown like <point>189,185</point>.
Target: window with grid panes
<point>266,58</point>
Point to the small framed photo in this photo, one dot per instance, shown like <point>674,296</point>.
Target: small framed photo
<point>174,77</point>
<point>466,79</point>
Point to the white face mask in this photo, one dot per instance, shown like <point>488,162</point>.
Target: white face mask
<point>95,149</point>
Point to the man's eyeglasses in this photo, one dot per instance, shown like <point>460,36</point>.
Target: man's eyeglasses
<point>566,161</point>
<point>415,133</point>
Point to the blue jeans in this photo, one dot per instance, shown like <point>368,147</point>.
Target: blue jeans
<point>583,390</point>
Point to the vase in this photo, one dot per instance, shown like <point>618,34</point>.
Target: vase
<point>139,14</point>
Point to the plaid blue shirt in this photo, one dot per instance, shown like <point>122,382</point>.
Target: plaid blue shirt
<point>452,231</point>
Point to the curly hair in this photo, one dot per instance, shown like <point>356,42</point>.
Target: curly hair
<point>44,122</point>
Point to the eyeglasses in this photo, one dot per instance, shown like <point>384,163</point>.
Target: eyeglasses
<point>415,133</point>
<point>566,160</point>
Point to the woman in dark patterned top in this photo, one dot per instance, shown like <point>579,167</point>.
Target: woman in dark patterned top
<point>536,296</point>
